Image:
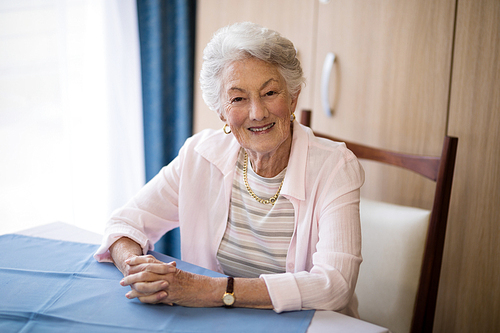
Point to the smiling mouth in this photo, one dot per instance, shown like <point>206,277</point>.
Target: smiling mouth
<point>260,129</point>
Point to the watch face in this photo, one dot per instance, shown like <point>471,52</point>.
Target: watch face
<point>228,299</point>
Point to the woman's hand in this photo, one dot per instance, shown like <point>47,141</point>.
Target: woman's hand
<point>147,279</point>
<point>153,281</point>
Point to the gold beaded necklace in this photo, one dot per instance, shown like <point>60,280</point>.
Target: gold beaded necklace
<point>272,199</point>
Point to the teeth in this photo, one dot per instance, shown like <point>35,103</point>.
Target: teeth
<point>261,129</point>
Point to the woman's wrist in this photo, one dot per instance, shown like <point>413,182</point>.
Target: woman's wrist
<point>123,249</point>
<point>216,291</point>
<point>209,291</point>
<point>247,293</point>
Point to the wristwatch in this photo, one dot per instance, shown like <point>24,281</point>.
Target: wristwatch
<point>228,297</point>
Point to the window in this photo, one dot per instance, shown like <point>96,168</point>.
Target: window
<point>71,142</point>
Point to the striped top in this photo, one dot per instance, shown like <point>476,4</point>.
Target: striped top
<point>257,235</point>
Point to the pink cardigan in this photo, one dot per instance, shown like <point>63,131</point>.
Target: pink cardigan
<point>193,192</point>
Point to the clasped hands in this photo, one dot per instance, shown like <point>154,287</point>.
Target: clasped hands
<point>153,281</point>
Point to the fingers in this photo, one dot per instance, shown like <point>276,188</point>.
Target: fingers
<point>147,259</point>
<point>161,269</point>
<point>150,292</point>
<point>152,280</point>
<point>137,260</point>
<point>149,264</point>
<point>147,288</point>
<point>142,277</point>
<point>136,264</point>
<point>148,279</point>
<point>154,298</point>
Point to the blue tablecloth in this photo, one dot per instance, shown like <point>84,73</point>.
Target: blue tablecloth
<point>57,286</point>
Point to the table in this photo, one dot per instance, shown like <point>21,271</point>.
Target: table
<point>322,321</point>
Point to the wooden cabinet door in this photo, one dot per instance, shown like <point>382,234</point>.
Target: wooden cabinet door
<point>390,83</point>
<point>469,292</point>
<point>294,19</point>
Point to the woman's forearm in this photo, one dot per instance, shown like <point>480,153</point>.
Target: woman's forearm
<point>251,293</point>
<point>197,290</point>
<point>123,249</point>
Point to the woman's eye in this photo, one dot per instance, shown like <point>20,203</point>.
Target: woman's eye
<point>237,99</point>
<point>271,93</point>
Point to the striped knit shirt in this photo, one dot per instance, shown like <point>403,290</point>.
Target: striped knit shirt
<point>257,235</point>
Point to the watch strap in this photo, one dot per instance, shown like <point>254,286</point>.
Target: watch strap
<point>230,285</point>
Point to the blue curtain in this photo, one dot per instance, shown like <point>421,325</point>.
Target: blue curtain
<point>166,33</point>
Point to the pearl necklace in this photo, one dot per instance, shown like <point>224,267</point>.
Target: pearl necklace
<point>272,199</point>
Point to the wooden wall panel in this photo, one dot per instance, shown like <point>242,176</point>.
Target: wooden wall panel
<point>469,295</point>
<point>294,19</point>
<point>390,84</point>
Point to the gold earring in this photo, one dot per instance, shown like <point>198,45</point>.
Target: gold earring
<point>292,117</point>
<point>225,129</point>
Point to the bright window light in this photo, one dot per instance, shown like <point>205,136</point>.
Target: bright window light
<point>71,146</point>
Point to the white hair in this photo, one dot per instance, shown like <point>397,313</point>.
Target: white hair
<point>240,41</point>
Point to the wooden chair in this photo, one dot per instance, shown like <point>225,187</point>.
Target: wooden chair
<point>427,255</point>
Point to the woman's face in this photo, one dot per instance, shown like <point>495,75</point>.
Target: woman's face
<point>257,106</point>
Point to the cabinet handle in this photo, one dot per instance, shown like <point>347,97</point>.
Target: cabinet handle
<point>325,83</point>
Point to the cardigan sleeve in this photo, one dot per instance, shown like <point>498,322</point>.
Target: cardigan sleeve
<point>148,215</point>
<point>329,284</point>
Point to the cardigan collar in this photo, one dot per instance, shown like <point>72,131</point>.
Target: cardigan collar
<point>222,151</point>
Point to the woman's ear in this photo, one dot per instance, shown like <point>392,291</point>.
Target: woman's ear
<point>221,116</point>
<point>295,98</point>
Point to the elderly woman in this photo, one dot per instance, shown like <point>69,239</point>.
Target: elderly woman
<point>263,200</point>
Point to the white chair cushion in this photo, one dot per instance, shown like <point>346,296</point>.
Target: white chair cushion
<point>393,243</point>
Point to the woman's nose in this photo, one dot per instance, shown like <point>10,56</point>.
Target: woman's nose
<point>258,110</point>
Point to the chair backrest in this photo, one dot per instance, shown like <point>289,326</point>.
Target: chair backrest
<point>421,237</point>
